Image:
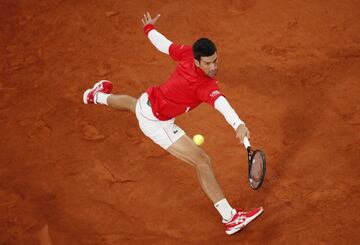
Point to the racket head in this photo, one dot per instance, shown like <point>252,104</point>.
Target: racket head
<point>257,168</point>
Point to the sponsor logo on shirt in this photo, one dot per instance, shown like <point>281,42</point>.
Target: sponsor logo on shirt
<point>214,93</point>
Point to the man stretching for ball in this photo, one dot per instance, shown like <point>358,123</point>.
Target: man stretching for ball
<point>192,82</point>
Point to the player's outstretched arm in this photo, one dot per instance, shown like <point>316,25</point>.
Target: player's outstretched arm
<point>222,105</point>
<point>156,38</point>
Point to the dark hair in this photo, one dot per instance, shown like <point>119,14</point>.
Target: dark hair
<point>203,47</point>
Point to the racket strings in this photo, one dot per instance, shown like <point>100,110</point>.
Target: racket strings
<point>257,169</point>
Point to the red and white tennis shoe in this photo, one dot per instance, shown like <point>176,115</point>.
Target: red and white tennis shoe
<point>241,219</point>
<point>102,86</point>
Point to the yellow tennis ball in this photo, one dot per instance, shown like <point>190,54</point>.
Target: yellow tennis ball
<point>198,139</point>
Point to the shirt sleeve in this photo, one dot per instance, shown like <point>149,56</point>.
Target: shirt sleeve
<point>223,106</point>
<point>179,52</point>
<point>209,92</point>
<point>157,39</point>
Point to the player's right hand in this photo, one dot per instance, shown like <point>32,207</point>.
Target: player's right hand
<point>241,132</point>
<point>148,20</point>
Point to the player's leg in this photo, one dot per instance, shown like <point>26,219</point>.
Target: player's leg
<point>234,219</point>
<point>122,102</point>
<point>100,93</point>
<point>186,150</point>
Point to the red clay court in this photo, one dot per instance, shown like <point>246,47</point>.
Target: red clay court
<point>80,174</point>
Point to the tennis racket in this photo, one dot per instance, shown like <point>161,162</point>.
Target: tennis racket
<point>257,165</point>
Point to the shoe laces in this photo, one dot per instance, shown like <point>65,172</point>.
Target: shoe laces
<point>235,211</point>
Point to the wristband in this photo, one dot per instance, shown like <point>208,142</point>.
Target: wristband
<point>148,28</point>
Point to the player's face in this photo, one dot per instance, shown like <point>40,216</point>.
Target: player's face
<point>208,64</point>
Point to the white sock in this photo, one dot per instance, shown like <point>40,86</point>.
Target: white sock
<point>101,98</point>
<point>224,208</point>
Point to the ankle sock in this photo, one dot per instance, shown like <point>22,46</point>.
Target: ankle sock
<point>224,208</point>
<point>101,98</point>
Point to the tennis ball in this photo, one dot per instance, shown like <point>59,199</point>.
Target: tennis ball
<point>198,139</point>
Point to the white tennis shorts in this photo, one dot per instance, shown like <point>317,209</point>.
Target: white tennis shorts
<point>163,133</point>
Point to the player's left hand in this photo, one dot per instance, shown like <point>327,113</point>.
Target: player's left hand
<point>148,20</point>
<point>241,132</point>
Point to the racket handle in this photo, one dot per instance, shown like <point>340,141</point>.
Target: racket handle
<point>246,142</point>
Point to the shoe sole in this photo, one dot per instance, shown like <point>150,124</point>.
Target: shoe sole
<point>85,95</point>
<point>247,221</point>
<point>89,90</point>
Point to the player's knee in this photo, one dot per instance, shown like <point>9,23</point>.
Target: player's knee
<point>203,161</point>
<point>207,160</point>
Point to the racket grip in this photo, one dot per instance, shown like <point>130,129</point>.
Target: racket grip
<point>246,142</point>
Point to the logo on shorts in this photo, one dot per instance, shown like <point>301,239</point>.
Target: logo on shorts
<point>175,129</point>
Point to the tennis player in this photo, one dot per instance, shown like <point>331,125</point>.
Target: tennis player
<point>192,83</point>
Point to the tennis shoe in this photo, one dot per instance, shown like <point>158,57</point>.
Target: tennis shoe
<point>241,219</point>
<point>102,86</point>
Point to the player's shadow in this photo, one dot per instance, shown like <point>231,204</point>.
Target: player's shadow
<point>304,112</point>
